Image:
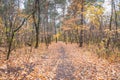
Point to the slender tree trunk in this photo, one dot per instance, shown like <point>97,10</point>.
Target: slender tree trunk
<point>116,24</point>
<point>10,46</point>
<point>47,40</point>
<point>37,38</point>
<point>55,24</point>
<point>82,22</point>
<point>37,23</point>
<point>71,37</point>
<point>110,26</point>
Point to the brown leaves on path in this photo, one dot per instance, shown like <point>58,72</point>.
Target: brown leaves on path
<point>58,62</point>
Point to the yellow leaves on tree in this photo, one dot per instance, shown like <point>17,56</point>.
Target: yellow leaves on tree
<point>0,22</point>
<point>93,14</point>
<point>56,36</point>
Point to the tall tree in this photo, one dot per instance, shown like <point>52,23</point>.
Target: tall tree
<point>10,18</point>
<point>110,25</point>
<point>36,19</point>
<point>82,23</point>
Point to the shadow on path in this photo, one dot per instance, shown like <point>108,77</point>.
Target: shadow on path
<point>65,69</point>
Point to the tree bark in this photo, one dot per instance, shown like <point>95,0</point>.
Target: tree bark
<point>10,45</point>
<point>110,26</point>
<point>82,22</point>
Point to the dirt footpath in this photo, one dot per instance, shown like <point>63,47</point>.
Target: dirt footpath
<point>59,62</point>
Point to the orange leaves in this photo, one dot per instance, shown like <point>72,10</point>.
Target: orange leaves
<point>65,28</point>
<point>22,15</point>
<point>71,20</point>
<point>80,62</point>
<point>23,65</point>
<point>70,24</point>
<point>56,36</point>
<point>75,7</point>
<point>111,32</point>
<point>1,24</point>
<point>30,20</point>
<point>0,20</point>
<point>35,75</point>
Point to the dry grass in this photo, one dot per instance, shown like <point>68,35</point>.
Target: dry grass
<point>114,53</point>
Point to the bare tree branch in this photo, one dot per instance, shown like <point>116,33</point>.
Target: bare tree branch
<point>23,22</point>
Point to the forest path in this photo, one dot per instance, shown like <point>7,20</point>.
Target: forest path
<point>74,63</point>
<point>64,66</point>
<point>59,62</point>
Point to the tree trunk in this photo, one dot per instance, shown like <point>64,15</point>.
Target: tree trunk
<point>10,46</point>
<point>116,24</point>
<point>37,38</point>
<point>55,24</point>
<point>82,22</point>
<point>37,23</point>
<point>110,26</point>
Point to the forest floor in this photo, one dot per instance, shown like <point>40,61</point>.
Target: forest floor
<point>58,62</point>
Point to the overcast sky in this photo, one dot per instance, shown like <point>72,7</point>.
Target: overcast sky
<point>107,6</point>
